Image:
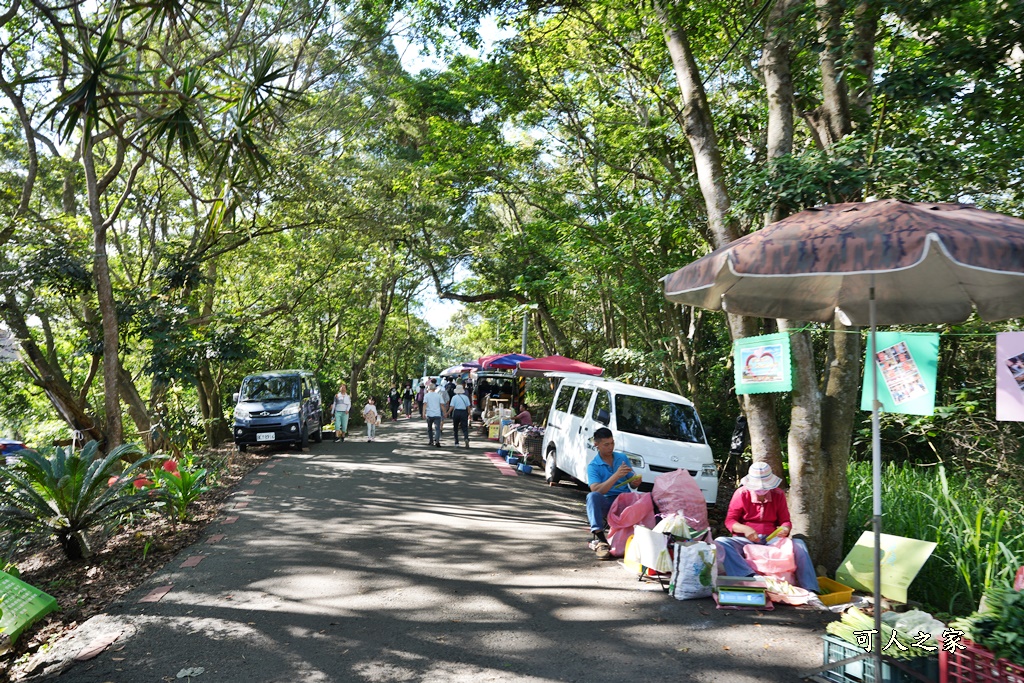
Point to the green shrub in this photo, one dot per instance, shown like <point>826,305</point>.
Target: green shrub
<point>59,495</point>
<point>976,524</point>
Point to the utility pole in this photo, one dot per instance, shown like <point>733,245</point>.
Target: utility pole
<point>526,320</point>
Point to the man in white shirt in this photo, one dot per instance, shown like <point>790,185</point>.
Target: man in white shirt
<point>434,407</point>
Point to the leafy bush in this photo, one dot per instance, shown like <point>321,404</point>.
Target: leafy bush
<point>1000,627</point>
<point>180,487</point>
<point>57,494</point>
<point>975,523</point>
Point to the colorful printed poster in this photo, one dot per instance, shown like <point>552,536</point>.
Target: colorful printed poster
<point>906,364</point>
<point>1010,376</point>
<point>902,559</point>
<point>762,364</point>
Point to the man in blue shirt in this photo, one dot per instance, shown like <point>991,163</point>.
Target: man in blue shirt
<point>608,475</point>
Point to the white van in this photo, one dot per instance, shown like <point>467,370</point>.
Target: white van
<point>657,430</point>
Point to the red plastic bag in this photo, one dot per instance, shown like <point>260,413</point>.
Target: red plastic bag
<point>774,559</point>
<point>628,510</point>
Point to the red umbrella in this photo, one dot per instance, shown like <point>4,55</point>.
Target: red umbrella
<point>556,363</point>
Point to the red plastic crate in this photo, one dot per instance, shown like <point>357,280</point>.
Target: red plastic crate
<point>976,664</point>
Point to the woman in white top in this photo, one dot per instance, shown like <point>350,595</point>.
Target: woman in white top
<point>371,417</point>
<point>341,405</point>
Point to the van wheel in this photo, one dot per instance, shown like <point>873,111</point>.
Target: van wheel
<point>551,472</point>
<point>304,438</point>
<point>242,447</point>
<point>318,435</point>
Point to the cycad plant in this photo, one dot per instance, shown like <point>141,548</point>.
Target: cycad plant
<point>58,494</point>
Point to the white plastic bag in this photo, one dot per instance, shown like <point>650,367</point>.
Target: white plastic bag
<point>693,569</point>
<point>652,549</point>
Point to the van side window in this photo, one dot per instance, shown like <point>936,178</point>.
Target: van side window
<point>582,402</point>
<point>564,398</point>
<point>660,419</point>
<point>603,402</point>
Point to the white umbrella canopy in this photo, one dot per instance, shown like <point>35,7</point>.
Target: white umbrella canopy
<point>887,262</point>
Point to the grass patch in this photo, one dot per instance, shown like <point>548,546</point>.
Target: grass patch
<point>976,522</point>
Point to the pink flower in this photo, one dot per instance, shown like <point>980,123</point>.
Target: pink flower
<point>142,482</point>
<point>170,465</point>
<point>113,480</point>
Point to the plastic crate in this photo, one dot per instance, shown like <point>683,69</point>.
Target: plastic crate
<point>976,664</point>
<point>836,649</point>
<point>833,592</point>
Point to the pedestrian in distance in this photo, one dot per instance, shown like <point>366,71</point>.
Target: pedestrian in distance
<point>372,417</point>
<point>419,398</point>
<point>459,410</point>
<point>407,400</point>
<point>393,398</point>
<point>341,406</point>
<point>434,408</point>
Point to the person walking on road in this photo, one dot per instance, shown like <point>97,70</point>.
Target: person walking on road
<point>407,400</point>
<point>393,398</point>
<point>433,407</point>
<point>341,405</point>
<point>419,399</point>
<point>372,418</point>
<point>459,410</point>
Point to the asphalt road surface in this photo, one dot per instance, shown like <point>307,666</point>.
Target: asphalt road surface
<point>392,561</point>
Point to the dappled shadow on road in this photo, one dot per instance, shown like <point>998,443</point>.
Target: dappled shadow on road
<point>393,562</point>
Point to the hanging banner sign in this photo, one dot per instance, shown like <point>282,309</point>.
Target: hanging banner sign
<point>1010,376</point>
<point>906,364</point>
<point>762,364</point>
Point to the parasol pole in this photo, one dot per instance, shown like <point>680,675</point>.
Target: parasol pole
<point>876,484</point>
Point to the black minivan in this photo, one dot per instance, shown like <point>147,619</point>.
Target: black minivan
<point>280,406</point>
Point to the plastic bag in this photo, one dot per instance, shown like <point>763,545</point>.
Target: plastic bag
<point>692,570</point>
<point>1018,583</point>
<point>774,559</point>
<point>677,491</point>
<point>628,510</point>
<point>652,549</point>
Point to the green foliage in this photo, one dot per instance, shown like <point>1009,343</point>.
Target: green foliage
<point>976,524</point>
<point>1000,627</point>
<point>59,494</point>
<point>180,488</point>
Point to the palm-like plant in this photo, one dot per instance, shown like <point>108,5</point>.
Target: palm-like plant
<point>58,494</point>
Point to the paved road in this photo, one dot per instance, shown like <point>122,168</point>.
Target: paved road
<point>392,561</point>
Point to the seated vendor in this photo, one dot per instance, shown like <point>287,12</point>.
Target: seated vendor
<point>608,475</point>
<point>524,417</point>
<point>756,510</point>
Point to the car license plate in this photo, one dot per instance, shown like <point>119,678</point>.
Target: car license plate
<point>265,436</point>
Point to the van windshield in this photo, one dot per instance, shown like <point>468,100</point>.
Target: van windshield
<point>269,389</point>
<point>660,419</point>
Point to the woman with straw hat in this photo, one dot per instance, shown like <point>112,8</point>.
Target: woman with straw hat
<point>757,511</point>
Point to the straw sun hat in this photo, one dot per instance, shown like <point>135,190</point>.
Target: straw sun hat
<point>760,478</point>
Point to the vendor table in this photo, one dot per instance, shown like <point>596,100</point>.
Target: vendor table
<point>526,443</point>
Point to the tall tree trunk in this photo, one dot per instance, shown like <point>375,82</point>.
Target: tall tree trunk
<point>384,305</point>
<point>700,132</point>
<point>105,295</point>
<point>217,428</point>
<point>136,407</point>
<point>48,377</point>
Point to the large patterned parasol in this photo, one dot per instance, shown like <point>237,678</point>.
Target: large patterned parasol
<point>887,262</point>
